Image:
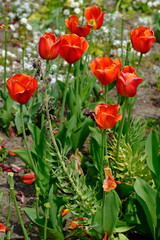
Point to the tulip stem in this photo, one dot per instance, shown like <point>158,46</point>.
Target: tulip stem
<point>105,92</point>
<point>25,140</point>
<point>129,120</point>
<point>64,97</point>
<point>121,126</point>
<point>11,184</point>
<point>139,62</point>
<point>5,52</point>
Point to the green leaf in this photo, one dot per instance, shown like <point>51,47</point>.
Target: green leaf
<point>52,233</point>
<point>22,153</point>
<point>152,149</point>
<point>81,133</point>
<point>111,210</point>
<point>124,190</point>
<point>34,108</point>
<point>147,198</point>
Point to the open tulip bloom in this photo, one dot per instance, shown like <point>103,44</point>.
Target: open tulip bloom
<point>72,24</point>
<point>48,46</point>
<point>94,16</point>
<point>106,116</point>
<point>127,82</point>
<point>105,69</point>
<point>72,47</point>
<point>21,87</point>
<point>142,39</point>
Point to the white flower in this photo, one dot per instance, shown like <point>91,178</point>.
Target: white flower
<point>77,10</point>
<point>66,12</point>
<point>12,27</point>
<point>56,31</point>
<point>150,4</point>
<point>29,27</point>
<point>23,21</point>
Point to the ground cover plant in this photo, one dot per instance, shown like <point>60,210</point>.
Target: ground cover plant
<point>71,74</point>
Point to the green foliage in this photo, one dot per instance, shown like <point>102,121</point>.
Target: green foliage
<point>131,164</point>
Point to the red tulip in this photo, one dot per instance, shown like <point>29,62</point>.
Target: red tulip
<point>106,115</point>
<point>94,16</point>
<point>127,82</point>
<point>72,47</point>
<point>21,87</point>
<point>72,24</point>
<point>28,178</point>
<point>74,224</point>
<point>109,182</point>
<point>48,46</point>
<point>142,39</point>
<point>105,69</point>
<point>2,227</point>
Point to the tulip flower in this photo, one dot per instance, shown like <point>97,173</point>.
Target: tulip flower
<point>72,24</point>
<point>94,16</point>
<point>21,87</point>
<point>72,47</point>
<point>106,116</point>
<point>48,46</point>
<point>109,182</point>
<point>127,82</point>
<point>2,227</point>
<point>142,39</point>
<point>105,69</point>
<point>74,224</point>
<point>28,178</point>
<point>65,212</point>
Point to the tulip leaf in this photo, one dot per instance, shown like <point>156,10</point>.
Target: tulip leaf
<point>147,198</point>
<point>152,149</point>
<point>52,233</point>
<point>79,136</point>
<point>110,212</point>
<point>22,153</point>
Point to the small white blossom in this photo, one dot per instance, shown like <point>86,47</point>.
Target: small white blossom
<point>23,21</point>
<point>29,27</point>
<point>77,10</point>
<point>66,12</point>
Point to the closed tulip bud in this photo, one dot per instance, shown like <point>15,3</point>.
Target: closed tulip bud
<point>48,46</point>
<point>106,116</point>
<point>72,47</point>
<point>94,16</point>
<point>142,39</point>
<point>105,69</point>
<point>21,87</point>
<point>127,82</point>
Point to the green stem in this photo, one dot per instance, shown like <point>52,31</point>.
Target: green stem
<point>128,121</point>
<point>11,184</point>
<point>105,92</point>
<point>64,97</point>
<point>77,80</point>
<point>9,211</point>
<point>63,164</point>
<point>139,62</point>
<point>46,221</point>
<point>121,126</point>
<point>5,52</point>
<point>37,200</point>
<point>25,140</point>
<point>127,53</point>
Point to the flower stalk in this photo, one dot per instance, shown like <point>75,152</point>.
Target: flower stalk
<point>11,184</point>
<point>64,97</point>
